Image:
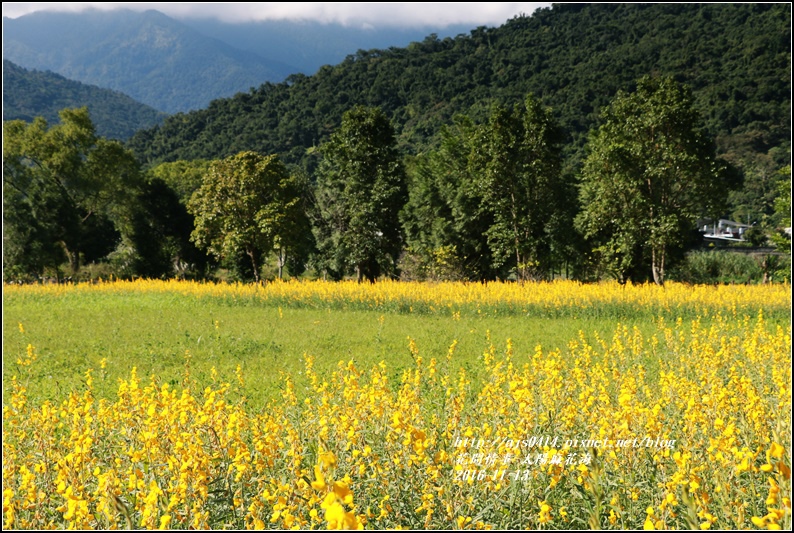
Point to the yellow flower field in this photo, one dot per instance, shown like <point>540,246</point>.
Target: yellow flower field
<point>548,298</point>
<point>685,428</point>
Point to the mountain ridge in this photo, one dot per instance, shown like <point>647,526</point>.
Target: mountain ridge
<point>177,65</point>
<point>149,56</point>
<point>31,93</point>
<point>309,45</point>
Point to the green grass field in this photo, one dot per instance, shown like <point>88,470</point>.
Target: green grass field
<point>153,331</point>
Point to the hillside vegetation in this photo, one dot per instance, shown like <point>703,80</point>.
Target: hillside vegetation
<point>31,93</point>
<point>574,58</point>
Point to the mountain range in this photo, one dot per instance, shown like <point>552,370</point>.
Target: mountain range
<point>176,66</point>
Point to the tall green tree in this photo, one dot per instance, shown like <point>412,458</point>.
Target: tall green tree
<point>444,223</point>
<point>69,193</point>
<point>247,203</point>
<point>649,174</point>
<point>161,228</point>
<point>521,161</point>
<point>360,192</point>
<point>489,200</point>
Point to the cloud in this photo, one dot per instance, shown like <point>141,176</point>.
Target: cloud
<point>350,14</point>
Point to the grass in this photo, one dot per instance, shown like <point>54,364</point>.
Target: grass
<point>153,332</point>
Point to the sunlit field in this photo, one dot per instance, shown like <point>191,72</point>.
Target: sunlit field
<point>320,405</point>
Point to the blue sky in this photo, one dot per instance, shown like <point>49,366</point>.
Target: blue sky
<point>352,14</point>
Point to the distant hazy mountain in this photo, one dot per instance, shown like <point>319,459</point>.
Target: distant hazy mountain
<point>149,56</point>
<point>182,65</point>
<point>309,45</point>
<point>31,93</point>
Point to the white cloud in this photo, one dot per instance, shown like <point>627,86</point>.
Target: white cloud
<point>354,14</point>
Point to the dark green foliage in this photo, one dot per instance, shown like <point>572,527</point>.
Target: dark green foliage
<point>649,173</point>
<point>732,267</point>
<point>30,93</point>
<point>489,201</point>
<point>573,57</point>
<point>520,171</point>
<point>445,222</point>
<point>182,177</point>
<point>296,244</point>
<point>755,236</point>
<point>782,203</point>
<point>30,243</point>
<point>248,204</point>
<point>754,201</point>
<point>161,228</point>
<point>68,194</point>
<point>360,192</point>
<point>780,221</point>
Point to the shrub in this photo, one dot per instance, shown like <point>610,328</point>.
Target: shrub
<point>731,267</point>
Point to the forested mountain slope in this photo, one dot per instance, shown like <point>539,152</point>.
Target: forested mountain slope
<point>31,93</point>
<point>574,57</point>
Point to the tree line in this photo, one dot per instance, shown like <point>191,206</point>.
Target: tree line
<point>572,58</point>
<point>492,200</point>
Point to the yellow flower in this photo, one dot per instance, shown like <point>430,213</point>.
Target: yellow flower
<point>336,516</point>
<point>462,521</point>
<point>327,459</point>
<point>165,520</point>
<point>319,483</point>
<point>544,515</point>
<point>776,450</point>
<point>342,492</point>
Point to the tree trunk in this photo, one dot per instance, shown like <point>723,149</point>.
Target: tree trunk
<point>520,268</point>
<point>765,269</point>
<point>280,262</point>
<point>657,266</point>
<point>74,258</point>
<point>252,255</point>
